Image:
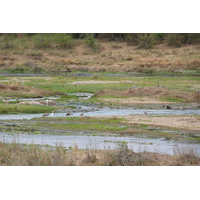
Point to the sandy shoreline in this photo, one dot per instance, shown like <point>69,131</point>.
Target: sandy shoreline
<point>187,122</point>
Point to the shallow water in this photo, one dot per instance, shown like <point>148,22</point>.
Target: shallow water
<point>102,142</point>
<point>34,99</point>
<point>96,111</point>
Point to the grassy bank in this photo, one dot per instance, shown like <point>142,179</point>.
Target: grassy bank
<point>14,109</point>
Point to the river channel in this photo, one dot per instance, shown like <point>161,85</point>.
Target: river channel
<point>85,140</point>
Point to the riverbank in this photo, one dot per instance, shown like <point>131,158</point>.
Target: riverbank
<point>34,155</point>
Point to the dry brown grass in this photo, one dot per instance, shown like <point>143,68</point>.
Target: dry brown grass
<point>154,92</point>
<point>16,155</point>
<point>129,58</point>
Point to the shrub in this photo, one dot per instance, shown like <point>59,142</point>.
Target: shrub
<point>8,42</point>
<point>42,40</point>
<point>18,69</point>
<point>178,39</point>
<point>63,40</point>
<point>175,39</point>
<point>193,38</point>
<point>111,36</point>
<point>146,41</point>
<point>91,42</point>
<point>131,38</point>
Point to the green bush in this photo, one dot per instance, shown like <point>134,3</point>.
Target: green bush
<point>178,39</point>
<point>131,38</point>
<point>7,42</point>
<point>42,40</point>
<point>146,41</point>
<point>193,38</point>
<point>63,41</point>
<point>175,39</point>
<point>58,40</point>
<point>111,36</point>
<point>91,42</point>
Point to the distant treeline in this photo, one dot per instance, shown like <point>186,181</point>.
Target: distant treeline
<point>144,40</point>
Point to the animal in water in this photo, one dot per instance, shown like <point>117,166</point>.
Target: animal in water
<point>81,114</point>
<point>168,107</point>
<point>48,114</point>
<point>68,114</point>
<point>145,113</point>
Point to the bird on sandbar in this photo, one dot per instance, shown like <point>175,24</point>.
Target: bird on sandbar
<point>81,114</point>
<point>48,114</point>
<point>145,113</point>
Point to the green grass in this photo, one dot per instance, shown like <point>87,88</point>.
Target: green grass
<point>14,109</point>
<point>85,120</point>
<point>61,83</point>
<point>173,100</point>
<point>81,127</point>
<point>88,88</point>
